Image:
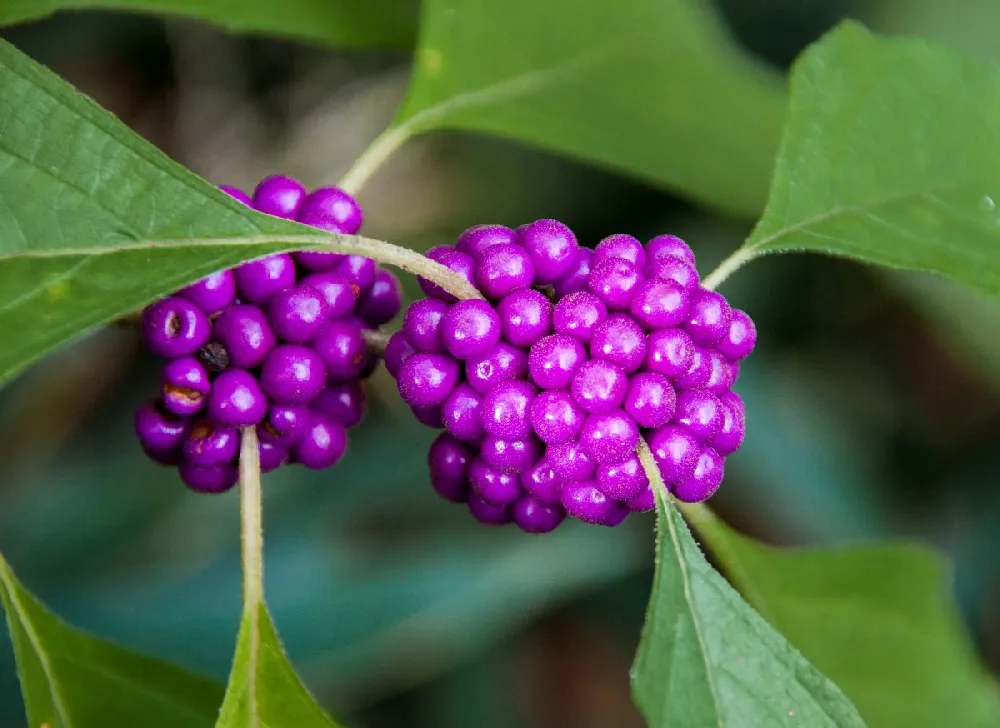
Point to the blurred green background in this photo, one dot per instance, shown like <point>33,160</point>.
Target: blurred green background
<point>873,399</point>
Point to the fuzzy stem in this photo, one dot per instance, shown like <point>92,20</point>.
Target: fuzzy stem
<point>251,519</point>
<point>739,258</point>
<point>383,147</point>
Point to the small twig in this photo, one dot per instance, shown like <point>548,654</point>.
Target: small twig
<point>251,521</point>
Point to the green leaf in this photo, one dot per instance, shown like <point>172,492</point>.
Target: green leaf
<point>707,659</point>
<point>263,687</point>
<point>72,680</point>
<point>350,23</point>
<point>656,90</point>
<point>878,619</point>
<point>890,155</point>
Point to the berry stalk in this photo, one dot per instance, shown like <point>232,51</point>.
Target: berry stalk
<point>251,519</point>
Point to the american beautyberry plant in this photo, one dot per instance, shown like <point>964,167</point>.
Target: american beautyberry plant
<point>570,379</point>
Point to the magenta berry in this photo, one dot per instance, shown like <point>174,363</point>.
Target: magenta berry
<point>488,513</point>
<point>208,480</point>
<point>449,461</point>
<point>341,345</point>
<point>184,385</point>
<point>422,324</point>
<point>552,248</point>
<point>578,276</point>
<point>599,386</point>
<point>337,291</point>
<point>659,304</point>
<point>381,303</point>
<point>493,485</point>
<point>673,268</point>
<point>650,400</point>
<point>237,194</point>
<point>427,379</point>
<point>733,429</point>
<point>236,399</point>
<point>619,340</point>
<point>429,415</point>
<point>343,402</point>
<point>668,246</point>
<point>525,316</point>
<point>461,414</point>
<point>569,461</point>
<point>535,516</point>
<point>505,410</point>
<point>296,314</point>
<point>709,317</point>
<point>279,195</point>
<point>670,352</point>
<point>245,334</point>
<point>504,269</point>
<point>322,445</point>
<point>700,412</point>
<point>272,456</point>
<point>623,480</point>
<point>699,374</point>
<point>704,480</point>
<point>292,374</point>
<point>615,281</point>
<point>475,241</point>
<point>470,328</point>
<point>504,363</point>
<point>584,501</point>
<point>609,437</point>
<point>285,424</point>
<point>541,482</point>
<point>454,260</point>
<point>159,430</point>
<point>643,502</point>
<point>510,456</point>
<point>554,360</point>
<point>578,314</point>
<point>556,417</point>
<point>212,293</point>
<point>330,209</point>
<point>397,350</point>
<point>257,281</point>
<point>209,446</point>
<point>675,451</point>
<point>620,246</point>
<point>174,327</point>
<point>358,271</point>
<point>741,337</point>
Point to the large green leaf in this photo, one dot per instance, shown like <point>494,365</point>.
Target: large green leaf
<point>657,90</point>
<point>706,658</point>
<point>72,680</point>
<point>351,23</point>
<point>877,619</point>
<point>890,155</point>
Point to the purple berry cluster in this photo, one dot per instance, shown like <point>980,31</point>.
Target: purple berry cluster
<point>544,388</point>
<point>277,343</point>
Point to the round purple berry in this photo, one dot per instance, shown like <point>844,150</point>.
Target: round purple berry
<point>331,209</point>
<point>577,277</point>
<point>672,268</point>
<point>620,246</point>
<point>292,374</point>
<point>212,293</point>
<point>174,327</point>
<point>237,194</point>
<point>285,424</point>
<point>504,269</point>
<point>460,414</point>
<point>184,385</point>
<point>397,350</point>
<point>614,281</point>
<point>578,314</point>
<point>700,412</point>
<point>455,261</point>
<point>236,399</point>
<point>622,481</point>
<point>730,436</point>
<point>643,502</point>
<point>208,480</point>
<point>554,360</point>
<point>422,324</point>
<point>741,337</point>
<point>555,417</point>
<point>272,456</point>
<point>659,304</point>
<point>160,431</point>
<point>209,446</point>
<point>429,415</point>
<point>704,480</point>
<point>668,246</point>
<point>675,451</point>
<point>541,482</point>
<point>650,400</point>
<point>257,281</point>
<point>475,241</point>
<point>599,386</point>
<point>488,513</point>
<point>552,248</point>
<point>503,364</point>
<point>470,328</point>
<point>322,445</point>
<point>569,461</point>
<point>705,364</point>
<point>669,352</point>
<point>279,195</point>
<point>506,410</point>
<point>619,340</point>
<point>336,290</point>
<point>535,516</point>
<point>609,437</point>
<point>449,461</point>
<point>511,456</point>
<point>427,379</point>
<point>296,314</point>
<point>343,403</point>
<point>493,485</point>
<point>246,335</point>
<point>341,346</point>
<point>381,303</point>
<point>709,317</point>
<point>525,316</point>
<point>357,270</point>
<point>584,501</point>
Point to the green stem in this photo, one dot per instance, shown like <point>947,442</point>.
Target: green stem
<point>739,258</point>
<point>383,147</point>
<point>251,520</point>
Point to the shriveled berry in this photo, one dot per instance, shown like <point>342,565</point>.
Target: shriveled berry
<point>236,399</point>
<point>340,296</point>
<point>322,445</point>
<point>672,268</point>
<point>158,429</point>
<point>669,352</point>
<point>552,248</point>
<point>569,461</point>
<point>541,482</point>
<point>584,501</point>
<point>488,513</point>
<point>470,329</point>
<point>449,462</point>
<point>578,314</point>
<point>599,386</point>
<point>212,293</point>
<point>279,195</point>
<point>381,303</point>
<point>429,415</point>
<point>506,410</point>
<point>620,246</point>
<point>422,324</point>
<point>614,281</point>
<point>343,402</point>
<point>609,437</point>
<point>619,340</point>
<point>741,337</point>
<point>535,516</point>
<point>184,385</point>
<point>493,485</point>
<point>643,502</point>
<point>700,412</point>
<point>659,304</point>
<point>426,379</point>
<point>622,481</point>
<point>454,260</point>
<point>504,363</point>
<point>246,335</point>
<point>476,240</point>
<point>525,316</point>
<point>556,417</point>
<point>512,456</point>
<point>460,414</point>
<point>272,456</point>
<point>341,346</point>
<point>704,480</point>
<point>209,446</point>
<point>357,270</point>
<point>285,424</point>
<point>174,327</point>
<point>292,374</point>
<point>675,451</point>
<point>650,399</point>
<point>733,429</point>
<point>237,194</point>
<point>668,246</point>
<point>331,209</point>
<point>709,317</point>
<point>577,277</point>
<point>503,269</point>
<point>258,280</point>
<point>208,480</point>
<point>296,314</point>
<point>554,359</point>
<point>397,350</point>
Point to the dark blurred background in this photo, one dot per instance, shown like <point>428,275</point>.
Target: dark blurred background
<point>872,398</point>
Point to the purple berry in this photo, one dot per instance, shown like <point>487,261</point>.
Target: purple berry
<point>343,403</point>
<point>237,194</point>
<point>357,270</point>
<point>331,209</point>
<point>622,481</point>
<point>422,324</point>
<point>292,374</point>
<point>449,462</point>
<point>659,304</point>
<point>285,424</point>
<point>475,241</point>
<point>614,281</point>
<point>541,482</point>
<point>470,329</point>
<point>427,379</point>
<point>650,400</point>
<point>184,386</point>
<point>554,360</point>
<point>709,317</point>
<point>322,445</point>
<point>609,437</point>
<point>397,350</point>
<point>620,246</point>
<point>174,327</point>
<point>733,429</point>
<point>336,290</point>
<point>578,276</point>
<point>700,412</point>
<point>296,314</point>
<point>381,303</point>
<point>555,417</point>
<point>455,261</point>
<point>341,346</point>
<point>584,501</point>
<point>670,352</point>
<point>488,513</point>
<point>236,399</point>
<point>619,340</point>
<point>159,430</point>
<point>504,269</point>
<point>643,502</point>
<point>495,486</point>
<point>578,314</point>
<point>208,480</point>
<point>569,461</point>
<point>525,316</point>
<point>209,446</point>
<point>704,364</point>
<point>704,481</point>
<point>460,414</point>
<point>672,268</point>
<point>272,456</point>
<point>279,195</point>
<point>429,415</point>
<point>535,516</point>
<point>619,512</point>
<point>741,337</point>
<point>503,364</point>
<point>552,248</point>
<point>599,386</point>
<point>246,335</point>
<point>506,410</point>
<point>212,293</point>
<point>257,281</point>
<point>675,450</point>
<point>668,246</point>
<point>511,456</point>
